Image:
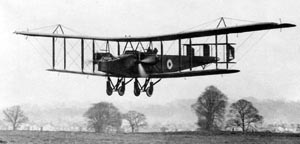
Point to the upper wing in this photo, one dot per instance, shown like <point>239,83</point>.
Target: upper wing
<point>192,73</point>
<point>175,36</point>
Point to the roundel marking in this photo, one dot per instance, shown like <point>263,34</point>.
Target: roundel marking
<point>169,64</point>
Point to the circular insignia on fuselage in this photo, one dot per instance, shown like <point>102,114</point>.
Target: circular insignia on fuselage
<point>169,64</point>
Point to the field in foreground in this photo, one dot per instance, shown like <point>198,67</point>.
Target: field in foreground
<point>36,137</point>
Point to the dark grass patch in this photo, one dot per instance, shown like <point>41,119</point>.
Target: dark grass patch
<point>62,137</point>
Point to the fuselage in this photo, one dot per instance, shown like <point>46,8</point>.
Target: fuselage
<point>127,64</point>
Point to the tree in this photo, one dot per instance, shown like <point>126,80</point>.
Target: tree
<point>135,120</point>
<point>15,116</point>
<point>163,129</point>
<point>103,116</point>
<point>210,108</point>
<point>244,115</point>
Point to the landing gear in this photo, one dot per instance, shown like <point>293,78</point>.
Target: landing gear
<point>121,89</point>
<point>145,88</point>
<point>136,88</point>
<point>120,86</point>
<point>109,89</point>
<point>149,90</point>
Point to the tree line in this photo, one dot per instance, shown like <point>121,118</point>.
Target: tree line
<point>104,117</point>
<point>101,117</point>
<point>210,109</point>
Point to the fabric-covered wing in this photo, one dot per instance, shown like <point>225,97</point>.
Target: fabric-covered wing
<point>168,37</point>
<point>193,73</point>
<point>161,75</point>
<point>78,72</point>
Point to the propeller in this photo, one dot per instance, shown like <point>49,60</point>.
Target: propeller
<point>152,59</point>
<point>149,60</point>
<point>142,71</point>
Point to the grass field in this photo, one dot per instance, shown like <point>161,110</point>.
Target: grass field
<point>36,137</point>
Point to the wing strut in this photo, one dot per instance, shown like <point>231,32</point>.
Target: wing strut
<point>191,55</point>
<point>65,54</point>
<point>179,47</point>
<point>216,44</point>
<point>93,47</point>
<point>82,55</point>
<point>53,52</point>
<point>161,56</point>
<point>118,48</point>
<point>227,51</point>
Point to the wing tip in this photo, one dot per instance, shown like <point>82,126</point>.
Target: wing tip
<point>287,25</point>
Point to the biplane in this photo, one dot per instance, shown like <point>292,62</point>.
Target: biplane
<point>137,61</point>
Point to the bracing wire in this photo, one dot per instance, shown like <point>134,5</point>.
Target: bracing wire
<point>39,53</point>
<point>245,41</point>
<point>59,59</point>
<point>71,29</point>
<point>42,46</point>
<point>202,24</point>
<point>205,23</point>
<point>240,19</point>
<point>70,56</point>
<point>251,47</point>
<point>44,27</point>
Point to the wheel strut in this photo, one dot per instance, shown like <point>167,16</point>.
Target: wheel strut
<point>120,86</point>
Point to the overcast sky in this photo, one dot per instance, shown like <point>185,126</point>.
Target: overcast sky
<point>269,66</point>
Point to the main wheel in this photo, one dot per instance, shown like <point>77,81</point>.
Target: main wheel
<point>137,90</point>
<point>121,89</point>
<point>109,89</point>
<point>149,90</point>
